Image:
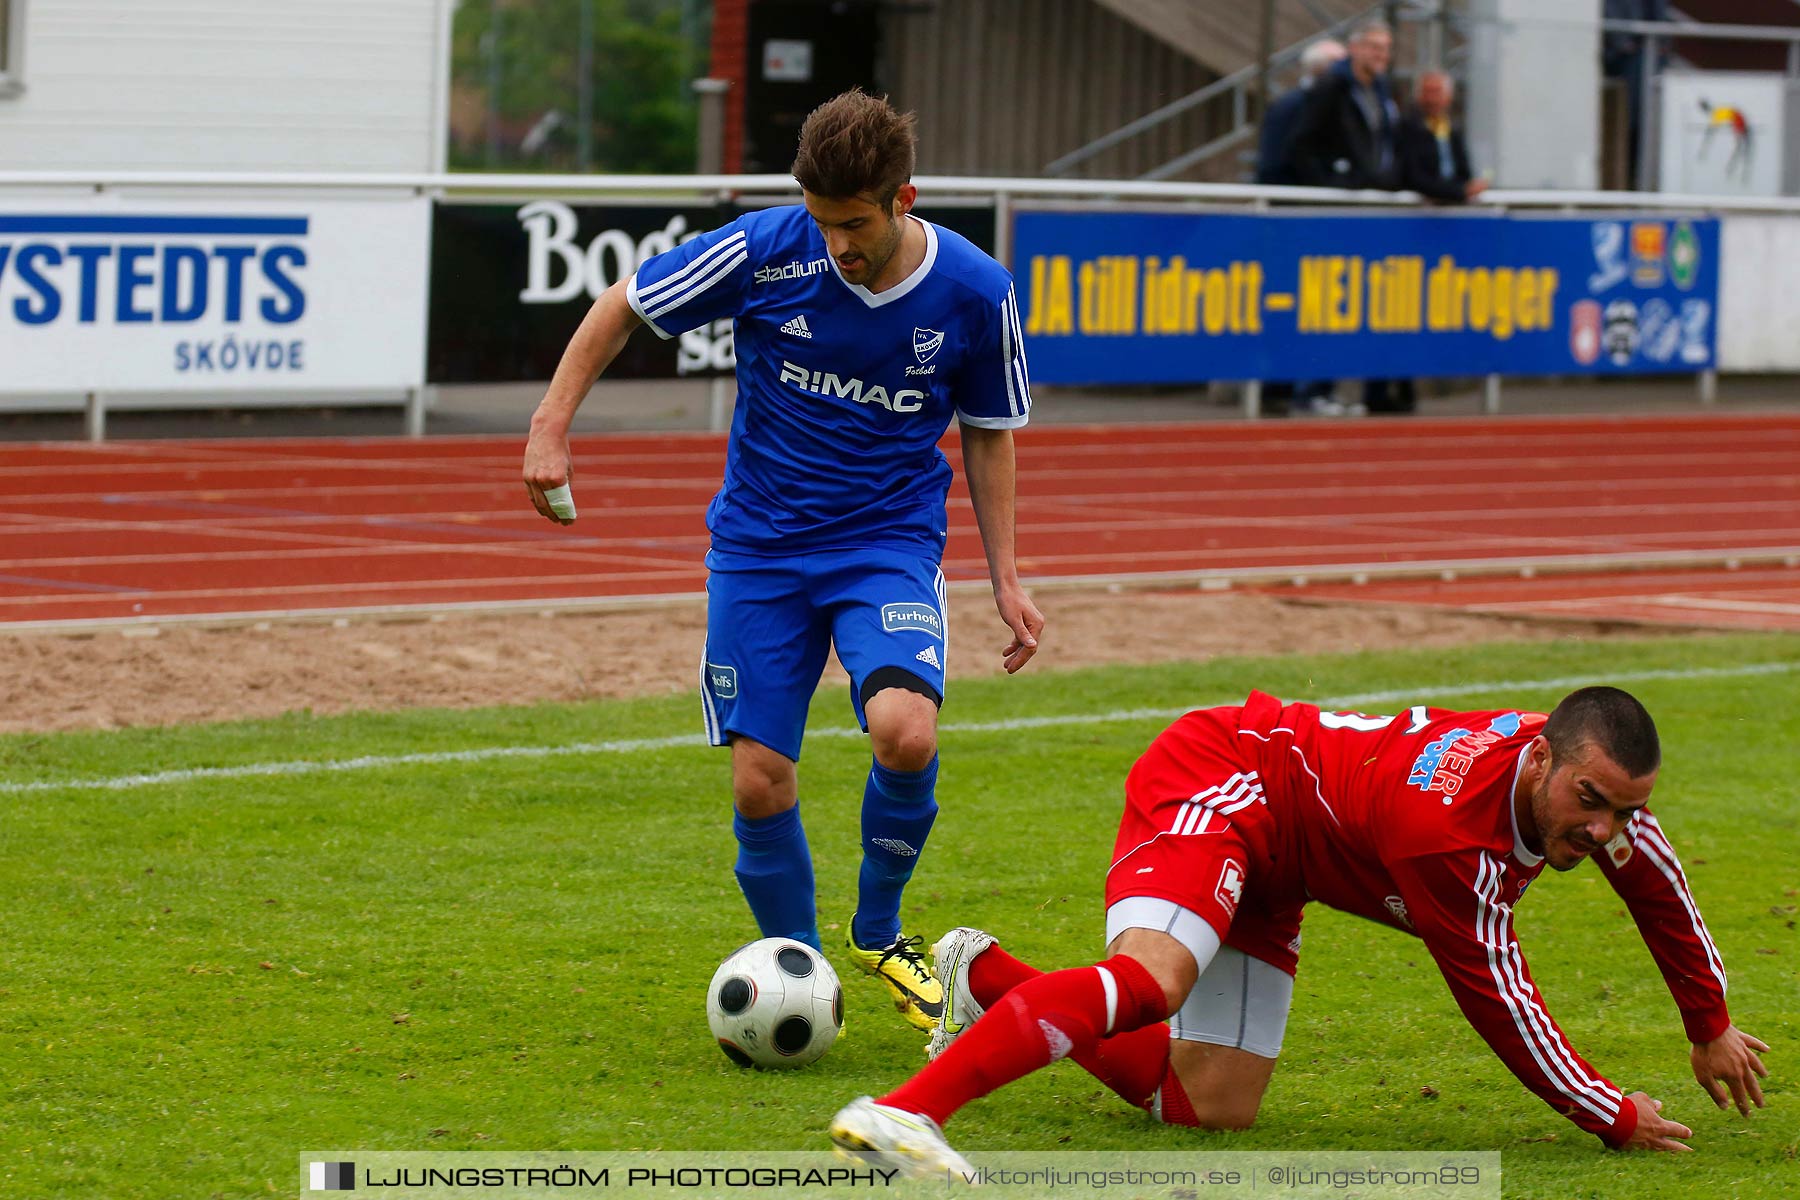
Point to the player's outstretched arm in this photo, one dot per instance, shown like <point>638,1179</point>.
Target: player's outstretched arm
<point>596,343</point>
<point>989,467</point>
<point>1653,1132</point>
<point>1730,1065</point>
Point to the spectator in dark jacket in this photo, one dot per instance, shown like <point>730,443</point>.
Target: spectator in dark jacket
<point>1434,160</point>
<point>1346,134</point>
<point>1275,164</point>
<point>1274,160</point>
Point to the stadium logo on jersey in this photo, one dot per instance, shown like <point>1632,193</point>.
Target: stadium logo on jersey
<point>722,680</point>
<point>793,270</point>
<point>929,657</point>
<point>911,617</point>
<point>797,327</point>
<point>1231,886</point>
<point>1397,907</point>
<point>827,384</point>
<point>926,343</point>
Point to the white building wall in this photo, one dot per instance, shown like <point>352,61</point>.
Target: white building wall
<point>1533,94</point>
<point>229,85</point>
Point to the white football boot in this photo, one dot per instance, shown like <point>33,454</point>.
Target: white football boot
<point>953,954</point>
<point>882,1135</point>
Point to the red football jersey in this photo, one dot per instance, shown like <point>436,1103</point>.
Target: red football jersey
<point>1408,820</point>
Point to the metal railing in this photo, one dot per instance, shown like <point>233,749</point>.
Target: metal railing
<point>1007,195</point>
<point>1238,85</point>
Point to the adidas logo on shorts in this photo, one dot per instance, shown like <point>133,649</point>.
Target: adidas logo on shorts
<point>929,656</point>
<point>798,328</point>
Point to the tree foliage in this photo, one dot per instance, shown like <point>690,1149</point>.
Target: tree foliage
<point>520,62</point>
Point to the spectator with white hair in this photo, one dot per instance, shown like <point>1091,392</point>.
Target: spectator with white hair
<point>1434,159</point>
<point>1275,164</point>
<point>1274,159</point>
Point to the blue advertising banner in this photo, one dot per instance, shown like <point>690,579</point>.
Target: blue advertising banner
<point>1189,297</point>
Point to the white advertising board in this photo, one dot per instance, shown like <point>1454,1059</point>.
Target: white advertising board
<point>1722,133</point>
<point>1759,310</point>
<point>114,295</point>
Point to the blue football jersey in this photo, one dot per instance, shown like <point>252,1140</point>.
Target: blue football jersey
<point>843,393</point>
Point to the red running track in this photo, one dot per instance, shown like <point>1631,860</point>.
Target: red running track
<point>163,529</point>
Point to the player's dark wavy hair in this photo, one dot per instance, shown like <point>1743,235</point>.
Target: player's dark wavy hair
<point>856,145</point>
<point>1610,719</point>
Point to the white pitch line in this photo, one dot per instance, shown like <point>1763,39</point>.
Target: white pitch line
<point>120,783</point>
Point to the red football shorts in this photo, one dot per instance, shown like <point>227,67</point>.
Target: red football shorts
<point>1194,832</point>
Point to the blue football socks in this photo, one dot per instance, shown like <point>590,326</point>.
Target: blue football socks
<point>774,867</point>
<point>898,809</point>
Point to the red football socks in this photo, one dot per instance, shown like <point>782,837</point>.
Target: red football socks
<point>1041,1019</point>
<point>994,972</point>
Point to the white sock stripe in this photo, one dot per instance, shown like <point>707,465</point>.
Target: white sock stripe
<point>1110,986</point>
<point>1656,847</point>
<point>1493,931</point>
<point>725,246</point>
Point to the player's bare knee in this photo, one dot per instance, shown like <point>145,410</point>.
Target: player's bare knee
<point>1224,1116</point>
<point>909,749</point>
<point>1169,962</point>
<point>902,729</point>
<point>763,782</point>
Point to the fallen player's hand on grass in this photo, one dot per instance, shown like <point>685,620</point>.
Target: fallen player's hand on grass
<point>1730,1061</point>
<point>1652,1132</point>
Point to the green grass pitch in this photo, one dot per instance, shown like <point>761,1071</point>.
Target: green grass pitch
<point>203,975</point>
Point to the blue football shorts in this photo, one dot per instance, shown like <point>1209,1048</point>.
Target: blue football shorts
<point>771,623</point>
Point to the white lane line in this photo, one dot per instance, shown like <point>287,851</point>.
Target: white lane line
<point>120,783</point>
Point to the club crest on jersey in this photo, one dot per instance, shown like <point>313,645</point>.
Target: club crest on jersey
<point>1619,850</point>
<point>926,343</point>
<point>911,617</point>
<point>1231,886</point>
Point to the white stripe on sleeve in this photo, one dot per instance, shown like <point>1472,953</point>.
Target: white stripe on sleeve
<point>1648,836</point>
<point>715,273</point>
<point>1541,1037</point>
<point>656,292</point>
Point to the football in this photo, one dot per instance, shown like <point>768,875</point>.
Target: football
<point>775,1004</point>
